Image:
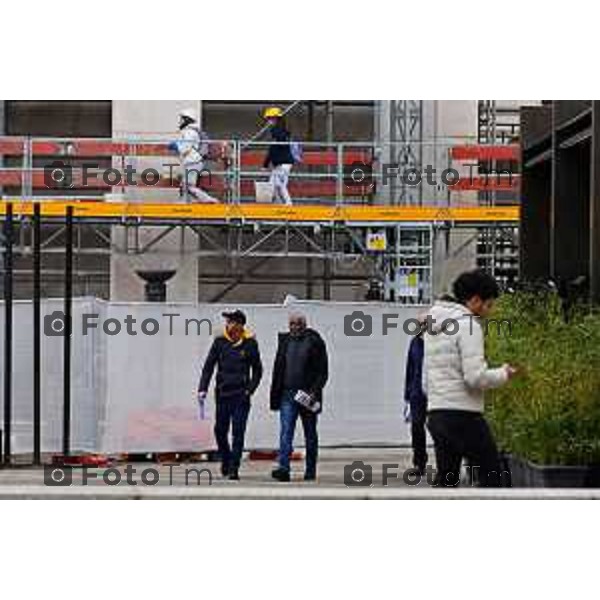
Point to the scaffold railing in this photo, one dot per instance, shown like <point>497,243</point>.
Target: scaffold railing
<point>147,170</point>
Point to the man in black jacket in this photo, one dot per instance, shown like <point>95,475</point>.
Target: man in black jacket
<point>239,371</point>
<point>300,365</point>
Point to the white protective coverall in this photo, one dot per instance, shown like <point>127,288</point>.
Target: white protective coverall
<point>193,147</point>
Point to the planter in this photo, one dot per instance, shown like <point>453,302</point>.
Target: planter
<point>527,474</point>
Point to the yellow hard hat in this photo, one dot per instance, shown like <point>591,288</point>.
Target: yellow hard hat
<point>272,112</point>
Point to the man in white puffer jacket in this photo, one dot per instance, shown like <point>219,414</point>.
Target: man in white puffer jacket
<point>455,375</point>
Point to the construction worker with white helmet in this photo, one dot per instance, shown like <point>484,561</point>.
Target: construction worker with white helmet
<point>193,149</point>
<point>279,156</point>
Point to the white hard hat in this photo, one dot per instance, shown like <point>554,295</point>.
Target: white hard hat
<point>189,113</point>
<point>289,300</point>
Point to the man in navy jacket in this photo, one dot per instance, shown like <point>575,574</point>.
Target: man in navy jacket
<point>239,371</point>
<point>279,156</point>
<point>416,399</point>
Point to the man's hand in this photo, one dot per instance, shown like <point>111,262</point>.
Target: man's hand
<point>201,399</point>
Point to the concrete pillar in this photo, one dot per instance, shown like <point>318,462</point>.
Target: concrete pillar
<point>133,118</point>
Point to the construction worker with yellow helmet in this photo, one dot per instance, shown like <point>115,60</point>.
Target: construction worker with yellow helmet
<point>279,156</point>
<point>273,112</point>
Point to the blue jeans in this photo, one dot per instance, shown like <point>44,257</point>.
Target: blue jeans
<point>288,415</point>
<point>232,413</point>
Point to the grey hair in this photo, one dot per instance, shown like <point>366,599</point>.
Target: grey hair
<point>297,316</point>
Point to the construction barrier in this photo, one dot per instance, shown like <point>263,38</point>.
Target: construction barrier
<point>136,392</point>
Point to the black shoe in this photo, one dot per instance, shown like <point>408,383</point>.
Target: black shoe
<point>420,471</point>
<point>280,474</point>
<point>225,470</point>
<point>310,476</point>
<point>233,475</point>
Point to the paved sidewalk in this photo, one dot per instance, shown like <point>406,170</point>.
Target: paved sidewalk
<point>253,473</point>
<point>181,482</point>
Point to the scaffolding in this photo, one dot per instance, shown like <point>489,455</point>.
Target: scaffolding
<point>406,136</point>
<point>333,219</point>
<point>499,127</point>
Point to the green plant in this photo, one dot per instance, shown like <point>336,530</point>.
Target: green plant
<point>550,415</point>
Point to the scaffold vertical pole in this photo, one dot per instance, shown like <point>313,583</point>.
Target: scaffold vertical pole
<point>237,171</point>
<point>339,197</point>
<point>28,157</point>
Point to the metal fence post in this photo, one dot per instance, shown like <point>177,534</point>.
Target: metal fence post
<point>8,328</point>
<point>68,328</point>
<point>37,347</point>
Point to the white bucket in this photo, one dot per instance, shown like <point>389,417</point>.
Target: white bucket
<point>114,197</point>
<point>263,191</point>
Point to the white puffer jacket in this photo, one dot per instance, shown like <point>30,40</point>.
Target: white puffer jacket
<point>455,372</point>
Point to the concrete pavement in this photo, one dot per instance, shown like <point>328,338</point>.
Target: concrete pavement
<point>203,481</point>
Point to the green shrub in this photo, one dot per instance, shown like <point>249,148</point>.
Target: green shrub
<point>551,415</point>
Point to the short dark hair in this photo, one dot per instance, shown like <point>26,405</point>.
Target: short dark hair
<point>236,316</point>
<point>475,283</point>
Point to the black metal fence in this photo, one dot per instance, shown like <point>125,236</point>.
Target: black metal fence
<point>8,235</point>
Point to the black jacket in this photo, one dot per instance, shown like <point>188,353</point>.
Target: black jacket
<point>316,371</point>
<point>279,154</point>
<point>239,368</point>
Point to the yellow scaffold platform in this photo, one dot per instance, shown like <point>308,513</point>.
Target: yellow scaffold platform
<point>119,211</point>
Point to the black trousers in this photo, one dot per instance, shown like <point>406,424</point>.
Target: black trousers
<point>461,434</point>
<point>418,416</point>
<point>232,413</point>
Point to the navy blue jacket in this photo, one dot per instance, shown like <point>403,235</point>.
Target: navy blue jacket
<point>239,368</point>
<point>279,154</point>
<point>413,382</point>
